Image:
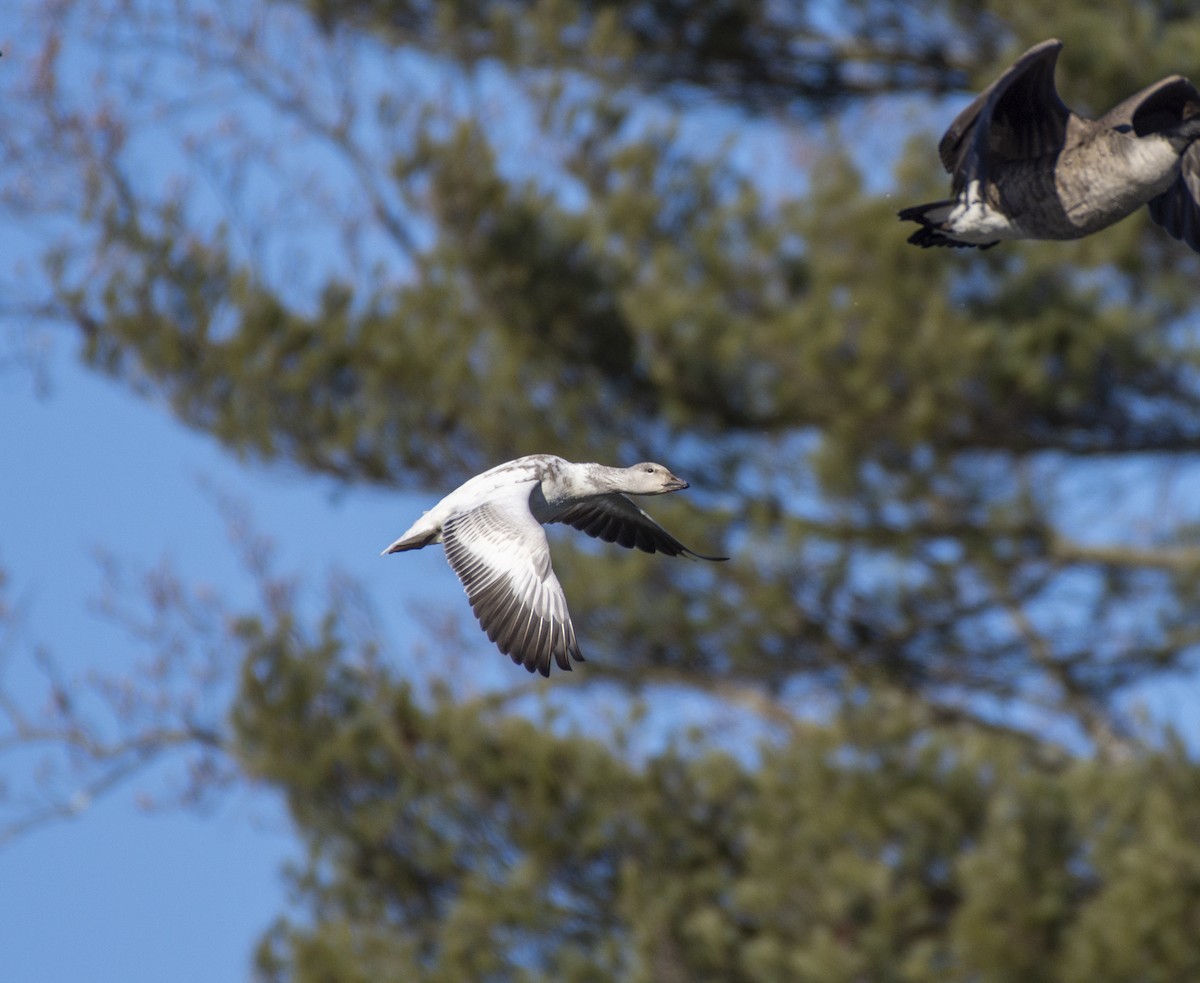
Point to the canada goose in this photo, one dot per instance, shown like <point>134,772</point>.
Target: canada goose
<point>492,530</point>
<point>1025,167</point>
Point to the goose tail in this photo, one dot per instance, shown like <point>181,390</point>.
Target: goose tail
<point>419,535</point>
<point>931,217</point>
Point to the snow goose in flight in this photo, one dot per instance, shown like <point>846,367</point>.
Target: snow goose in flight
<point>1025,166</point>
<point>491,527</point>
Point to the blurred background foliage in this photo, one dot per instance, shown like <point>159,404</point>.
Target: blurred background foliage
<point>660,230</point>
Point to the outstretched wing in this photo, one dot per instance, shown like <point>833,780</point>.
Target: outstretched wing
<point>499,552</point>
<point>1163,107</point>
<point>615,519</point>
<point>1018,117</point>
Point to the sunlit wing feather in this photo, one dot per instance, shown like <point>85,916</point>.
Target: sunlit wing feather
<point>499,552</point>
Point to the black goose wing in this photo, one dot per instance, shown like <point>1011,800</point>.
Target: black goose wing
<point>615,519</point>
<point>1177,209</point>
<point>1158,108</point>
<point>1018,117</point>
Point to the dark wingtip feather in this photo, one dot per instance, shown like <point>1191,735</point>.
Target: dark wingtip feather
<point>692,554</point>
<point>1178,215</point>
<point>928,236</point>
<point>535,656</point>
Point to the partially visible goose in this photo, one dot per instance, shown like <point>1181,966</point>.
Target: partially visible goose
<point>492,530</point>
<point>1025,167</point>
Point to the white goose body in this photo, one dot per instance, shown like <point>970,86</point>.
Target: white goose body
<point>972,220</point>
<point>491,527</point>
<point>1024,166</point>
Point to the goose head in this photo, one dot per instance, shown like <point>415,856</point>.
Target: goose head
<point>649,478</point>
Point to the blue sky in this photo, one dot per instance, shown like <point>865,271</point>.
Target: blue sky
<point>119,894</point>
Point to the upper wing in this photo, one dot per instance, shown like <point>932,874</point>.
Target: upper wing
<point>1156,108</point>
<point>1019,116</point>
<point>499,552</point>
<point>615,519</point>
<point>1177,209</point>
